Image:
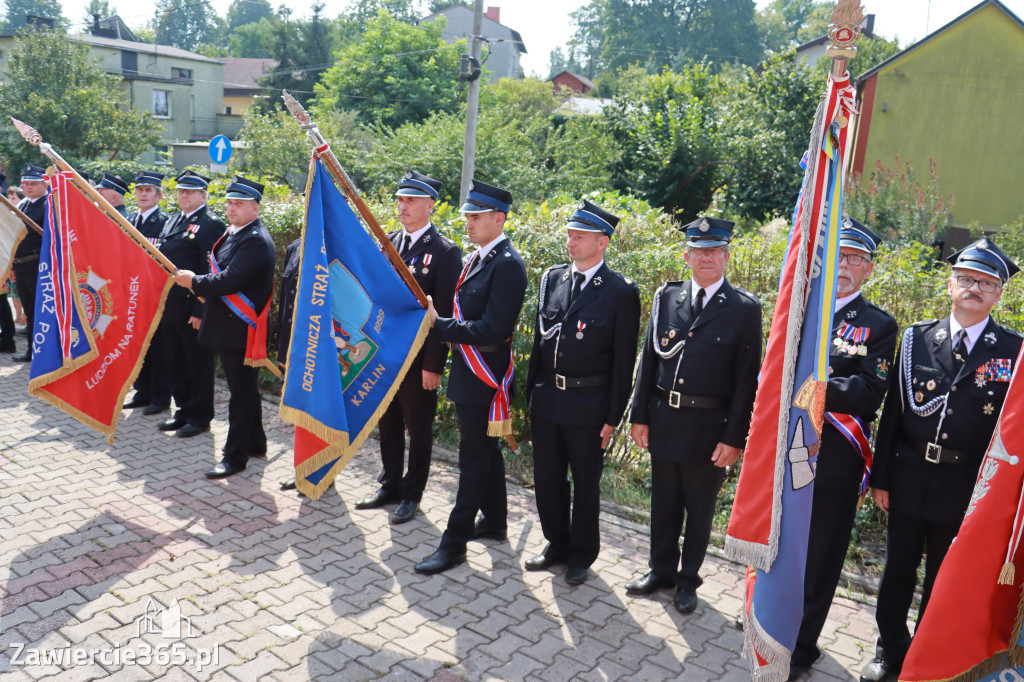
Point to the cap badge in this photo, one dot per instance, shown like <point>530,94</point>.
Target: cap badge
<point>704,225</point>
<point>582,206</point>
<point>983,244</point>
<point>472,185</point>
<point>847,223</point>
<point>407,176</point>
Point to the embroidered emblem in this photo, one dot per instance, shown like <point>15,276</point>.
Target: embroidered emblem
<point>597,281</point>
<point>919,397</point>
<point>882,368</point>
<point>664,342</point>
<point>940,335</point>
<point>988,409</point>
<point>704,225</point>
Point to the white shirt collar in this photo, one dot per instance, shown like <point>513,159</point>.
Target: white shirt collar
<point>489,246</point>
<point>144,216</point>
<point>709,290</point>
<point>587,274</point>
<point>189,215</point>
<point>973,332</point>
<point>845,301</point>
<point>414,236</point>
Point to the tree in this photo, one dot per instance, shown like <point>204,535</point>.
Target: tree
<point>97,8</point>
<point>395,73</point>
<point>438,5</point>
<point>243,12</point>
<point>253,40</point>
<point>186,24</point>
<point>363,12</point>
<point>53,85</point>
<point>17,10</point>
<point>670,144</point>
<point>780,22</point>
<point>303,51</point>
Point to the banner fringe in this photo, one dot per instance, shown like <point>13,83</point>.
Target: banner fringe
<point>1016,650</point>
<point>747,552</point>
<point>497,429</point>
<point>758,643</point>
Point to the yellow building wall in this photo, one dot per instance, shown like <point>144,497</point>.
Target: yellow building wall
<point>959,99</point>
<point>237,104</point>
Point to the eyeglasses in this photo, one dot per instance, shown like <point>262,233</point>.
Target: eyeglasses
<point>853,259</point>
<point>985,285</point>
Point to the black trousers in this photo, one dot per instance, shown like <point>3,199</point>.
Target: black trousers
<point>832,516</point>
<point>26,275</point>
<point>412,409</point>
<point>189,368</point>
<point>481,480</point>
<point>245,409</point>
<point>153,385</point>
<point>7,328</point>
<point>908,538</point>
<point>682,489</point>
<point>573,535</point>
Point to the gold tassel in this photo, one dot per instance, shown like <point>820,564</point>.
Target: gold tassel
<point>1006,575</point>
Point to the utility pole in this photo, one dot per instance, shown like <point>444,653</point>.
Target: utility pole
<point>471,74</point>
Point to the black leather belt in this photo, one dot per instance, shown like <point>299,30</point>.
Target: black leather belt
<point>937,454</point>
<point>676,399</point>
<point>25,259</point>
<point>563,382</point>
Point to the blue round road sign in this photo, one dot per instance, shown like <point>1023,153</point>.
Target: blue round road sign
<point>220,149</point>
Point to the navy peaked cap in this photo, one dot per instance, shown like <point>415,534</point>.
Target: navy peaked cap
<point>857,235</point>
<point>191,180</point>
<point>415,184</point>
<point>243,188</point>
<point>591,218</point>
<point>984,256</point>
<point>483,198</point>
<point>146,178</point>
<point>114,182</point>
<point>705,232</point>
<point>31,172</point>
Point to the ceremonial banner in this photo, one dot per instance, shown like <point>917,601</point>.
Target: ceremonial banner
<point>357,327</point>
<point>972,628</point>
<point>12,231</point>
<point>99,298</point>
<point>770,517</point>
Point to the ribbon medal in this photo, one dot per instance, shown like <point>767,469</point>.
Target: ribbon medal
<point>994,370</point>
<point>426,261</point>
<point>191,230</point>
<point>852,340</point>
<point>581,325</point>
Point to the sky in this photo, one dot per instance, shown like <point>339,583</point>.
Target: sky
<point>545,24</point>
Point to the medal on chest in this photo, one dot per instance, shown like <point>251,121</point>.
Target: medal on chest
<point>851,340</point>
<point>580,326</point>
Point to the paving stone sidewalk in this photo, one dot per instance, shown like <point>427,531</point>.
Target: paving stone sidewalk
<point>98,543</point>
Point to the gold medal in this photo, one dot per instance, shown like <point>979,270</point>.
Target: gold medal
<point>919,397</point>
<point>930,385</point>
<point>664,342</point>
<point>838,342</point>
<point>671,333</point>
<point>862,350</point>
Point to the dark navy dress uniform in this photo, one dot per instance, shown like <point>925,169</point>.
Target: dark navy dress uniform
<point>153,385</point>
<point>246,259</point>
<point>286,298</point>
<point>116,184</point>
<point>26,257</point>
<point>436,263</point>
<point>187,242</point>
<point>579,379</point>
<point>858,378</point>
<point>694,389</point>
<point>490,297</point>
<point>936,424</point>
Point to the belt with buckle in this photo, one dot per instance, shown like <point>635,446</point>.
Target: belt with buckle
<point>937,454</point>
<point>677,400</point>
<point>563,382</point>
<point>25,259</point>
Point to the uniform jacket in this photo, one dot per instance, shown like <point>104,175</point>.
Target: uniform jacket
<point>33,241</point>
<point>721,356</point>
<point>286,298</point>
<point>940,492</point>
<point>437,277</point>
<point>187,243</point>
<point>152,226</point>
<point>608,309</point>
<point>856,386</point>
<point>491,297</point>
<point>246,261</point>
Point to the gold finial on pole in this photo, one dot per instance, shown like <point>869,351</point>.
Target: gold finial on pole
<point>843,33</point>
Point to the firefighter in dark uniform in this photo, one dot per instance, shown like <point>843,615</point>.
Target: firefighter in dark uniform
<point>153,385</point>
<point>25,265</point>
<point>943,403</point>
<point>112,188</point>
<point>860,358</point>
<point>692,404</point>
<point>186,239</point>
<point>490,295</point>
<point>245,259</point>
<point>436,263</point>
<point>578,387</point>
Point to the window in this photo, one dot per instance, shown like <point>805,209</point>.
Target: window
<point>162,103</point>
<point>163,155</point>
<point>181,74</point>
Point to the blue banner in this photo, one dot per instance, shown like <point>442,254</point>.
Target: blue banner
<point>357,327</point>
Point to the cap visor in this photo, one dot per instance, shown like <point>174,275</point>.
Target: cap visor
<point>706,243</point>
<point>583,227</point>
<point>979,267</point>
<point>411,192</point>
<point>239,195</point>
<point>851,244</point>
<point>473,208</point>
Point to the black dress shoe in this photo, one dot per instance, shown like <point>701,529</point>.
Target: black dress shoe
<point>288,485</point>
<point>685,601</point>
<point>542,562</point>
<point>576,576</point>
<point>795,671</point>
<point>482,532</point>
<point>24,357</point>
<point>377,500</point>
<point>136,401</point>
<point>879,670</point>
<point>406,510</point>
<point>171,424</point>
<point>439,561</point>
<point>648,584</point>
<point>224,469</point>
<point>155,409</point>
<point>189,430</point>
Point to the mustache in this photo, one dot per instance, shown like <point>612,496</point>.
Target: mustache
<point>971,294</point>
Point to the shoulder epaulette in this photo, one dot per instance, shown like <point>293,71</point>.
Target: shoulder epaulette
<point>1013,332</point>
<point>924,323</point>
<point>748,294</point>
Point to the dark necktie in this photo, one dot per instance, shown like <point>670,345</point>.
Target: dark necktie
<point>960,349</point>
<point>698,303</point>
<point>406,244</point>
<point>577,283</point>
